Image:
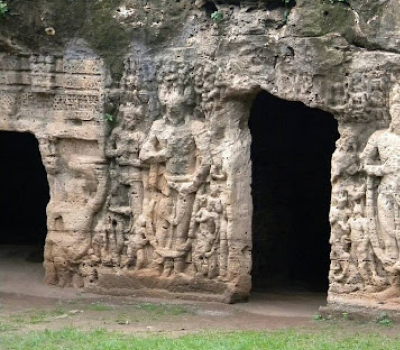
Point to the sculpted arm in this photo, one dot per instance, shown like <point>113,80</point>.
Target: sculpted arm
<point>202,140</point>
<point>134,160</point>
<point>370,155</point>
<point>218,208</point>
<point>97,201</point>
<point>149,152</point>
<point>344,226</point>
<point>111,145</point>
<point>201,216</point>
<point>217,223</point>
<point>217,173</point>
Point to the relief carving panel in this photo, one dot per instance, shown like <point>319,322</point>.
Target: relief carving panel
<point>365,213</point>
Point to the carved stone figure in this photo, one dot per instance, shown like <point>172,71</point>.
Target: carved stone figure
<point>345,158</point>
<point>206,244</point>
<point>381,157</point>
<point>175,150</point>
<point>123,147</point>
<point>73,206</point>
<point>137,243</point>
<point>218,196</point>
<point>340,256</point>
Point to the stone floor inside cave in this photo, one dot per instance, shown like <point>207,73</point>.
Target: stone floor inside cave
<point>292,146</point>
<point>24,195</point>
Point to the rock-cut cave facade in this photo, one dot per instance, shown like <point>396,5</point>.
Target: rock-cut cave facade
<point>149,164</point>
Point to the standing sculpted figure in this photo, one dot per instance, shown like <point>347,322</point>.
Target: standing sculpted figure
<point>71,211</point>
<point>339,240</point>
<point>126,171</point>
<point>176,149</point>
<point>345,158</point>
<point>137,243</point>
<point>123,147</point>
<point>207,237</point>
<point>381,160</point>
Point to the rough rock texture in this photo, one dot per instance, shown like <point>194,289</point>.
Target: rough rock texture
<point>157,199</point>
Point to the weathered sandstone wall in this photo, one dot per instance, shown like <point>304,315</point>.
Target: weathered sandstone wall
<point>141,107</point>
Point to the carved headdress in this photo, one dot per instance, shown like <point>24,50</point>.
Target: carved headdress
<point>175,77</point>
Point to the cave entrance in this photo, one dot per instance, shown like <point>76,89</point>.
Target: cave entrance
<point>291,152</point>
<point>24,197</point>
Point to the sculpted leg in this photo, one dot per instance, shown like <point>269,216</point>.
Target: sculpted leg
<point>386,207</point>
<point>183,216</point>
<point>168,267</point>
<point>136,198</point>
<point>140,258</point>
<point>198,256</point>
<point>98,245</point>
<point>213,265</point>
<point>223,253</point>
<point>120,244</point>
<point>362,260</point>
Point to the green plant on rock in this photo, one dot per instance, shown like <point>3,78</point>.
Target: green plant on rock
<point>109,117</point>
<point>3,8</point>
<point>217,16</point>
<point>288,6</point>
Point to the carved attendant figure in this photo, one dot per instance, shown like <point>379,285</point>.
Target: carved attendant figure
<point>339,240</point>
<point>344,159</point>
<point>137,243</point>
<point>381,159</point>
<point>207,238</point>
<point>123,147</point>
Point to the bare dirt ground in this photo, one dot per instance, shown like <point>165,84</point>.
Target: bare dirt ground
<point>27,304</point>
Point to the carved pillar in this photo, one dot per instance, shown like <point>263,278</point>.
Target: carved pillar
<point>231,137</point>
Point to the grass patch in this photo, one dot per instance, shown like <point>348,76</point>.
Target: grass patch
<point>7,327</point>
<point>99,307</point>
<point>149,312</point>
<point>124,318</point>
<point>34,316</point>
<point>279,340</point>
<point>162,309</point>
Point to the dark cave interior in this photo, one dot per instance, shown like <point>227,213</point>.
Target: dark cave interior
<point>292,146</point>
<point>25,191</point>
